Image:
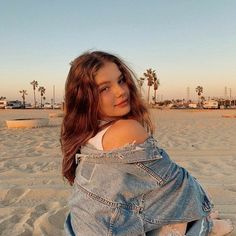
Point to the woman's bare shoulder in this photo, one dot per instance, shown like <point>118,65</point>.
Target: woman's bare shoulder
<point>123,132</point>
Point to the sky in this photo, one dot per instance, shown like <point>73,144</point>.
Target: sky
<point>188,43</point>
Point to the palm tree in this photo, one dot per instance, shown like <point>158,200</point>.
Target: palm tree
<point>199,91</point>
<point>44,98</point>
<point>35,85</point>
<point>24,93</point>
<point>149,76</point>
<point>203,99</point>
<point>140,83</point>
<point>42,90</point>
<point>156,84</point>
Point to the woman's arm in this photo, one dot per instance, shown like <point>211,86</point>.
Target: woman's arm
<point>124,132</point>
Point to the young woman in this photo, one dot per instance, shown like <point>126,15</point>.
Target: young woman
<point>123,183</point>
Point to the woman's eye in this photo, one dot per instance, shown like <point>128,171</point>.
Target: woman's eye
<point>122,80</point>
<point>104,89</point>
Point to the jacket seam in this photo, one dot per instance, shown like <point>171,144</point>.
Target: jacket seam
<point>169,221</point>
<point>108,202</point>
<point>151,173</point>
<point>98,198</point>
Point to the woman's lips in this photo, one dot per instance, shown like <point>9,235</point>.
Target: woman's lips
<point>123,103</point>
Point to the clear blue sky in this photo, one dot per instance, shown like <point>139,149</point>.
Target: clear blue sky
<point>188,43</point>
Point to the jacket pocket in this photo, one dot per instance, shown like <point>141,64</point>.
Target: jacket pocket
<point>145,167</point>
<point>162,170</point>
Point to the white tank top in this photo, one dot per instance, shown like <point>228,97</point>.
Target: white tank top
<point>96,141</point>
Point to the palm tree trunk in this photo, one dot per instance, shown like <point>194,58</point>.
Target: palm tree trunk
<point>34,99</point>
<point>148,93</point>
<point>23,102</point>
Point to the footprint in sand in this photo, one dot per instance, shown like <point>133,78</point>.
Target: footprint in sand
<point>52,221</point>
<point>231,188</point>
<point>8,223</point>
<point>14,195</point>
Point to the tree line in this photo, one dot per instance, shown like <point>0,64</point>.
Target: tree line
<point>41,90</point>
<point>151,77</point>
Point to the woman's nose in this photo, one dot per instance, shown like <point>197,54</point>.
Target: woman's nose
<point>119,91</point>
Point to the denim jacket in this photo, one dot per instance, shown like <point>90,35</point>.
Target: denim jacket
<point>133,190</point>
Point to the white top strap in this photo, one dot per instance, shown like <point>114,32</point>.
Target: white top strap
<point>96,141</point>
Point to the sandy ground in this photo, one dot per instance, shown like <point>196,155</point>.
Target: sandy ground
<point>33,195</point>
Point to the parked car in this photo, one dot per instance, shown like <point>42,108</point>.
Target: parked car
<point>57,106</point>
<point>13,105</point>
<point>47,105</point>
<point>211,104</point>
<point>3,104</point>
<point>192,105</point>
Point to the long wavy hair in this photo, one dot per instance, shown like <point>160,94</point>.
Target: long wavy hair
<point>82,118</point>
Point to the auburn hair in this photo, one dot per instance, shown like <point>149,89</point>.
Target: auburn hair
<point>82,118</point>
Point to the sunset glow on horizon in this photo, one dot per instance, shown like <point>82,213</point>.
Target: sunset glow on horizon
<point>188,43</point>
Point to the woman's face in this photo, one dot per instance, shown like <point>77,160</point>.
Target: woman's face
<point>114,96</point>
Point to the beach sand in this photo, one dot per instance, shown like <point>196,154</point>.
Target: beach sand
<point>33,195</point>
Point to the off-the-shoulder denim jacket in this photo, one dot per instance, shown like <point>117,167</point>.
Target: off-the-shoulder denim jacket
<point>133,190</point>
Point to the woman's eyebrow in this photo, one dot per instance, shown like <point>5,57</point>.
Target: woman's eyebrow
<point>108,81</point>
<point>104,82</point>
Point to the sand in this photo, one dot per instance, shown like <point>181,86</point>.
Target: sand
<point>33,195</point>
